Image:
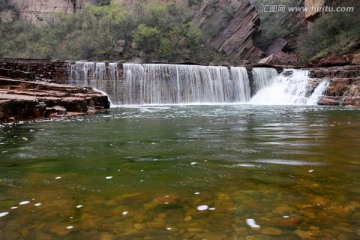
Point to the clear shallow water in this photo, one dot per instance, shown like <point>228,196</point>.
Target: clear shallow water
<point>184,172</point>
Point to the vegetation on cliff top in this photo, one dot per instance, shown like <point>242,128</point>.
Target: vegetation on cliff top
<point>335,34</point>
<point>110,30</point>
<point>153,32</point>
<point>276,24</point>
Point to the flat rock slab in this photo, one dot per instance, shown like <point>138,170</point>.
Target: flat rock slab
<point>30,100</point>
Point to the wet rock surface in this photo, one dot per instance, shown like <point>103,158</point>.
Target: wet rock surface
<point>33,69</point>
<point>344,88</point>
<point>280,58</point>
<point>30,100</point>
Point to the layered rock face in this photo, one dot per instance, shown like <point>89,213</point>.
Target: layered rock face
<point>313,7</point>
<point>29,100</point>
<point>34,69</point>
<point>344,88</point>
<point>283,49</point>
<point>37,10</point>
<point>234,26</point>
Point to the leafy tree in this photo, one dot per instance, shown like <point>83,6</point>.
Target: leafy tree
<point>162,31</point>
<point>335,33</point>
<point>276,24</point>
<point>147,38</point>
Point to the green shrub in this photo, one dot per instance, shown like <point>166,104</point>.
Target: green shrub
<point>147,38</point>
<point>334,33</point>
<point>162,31</point>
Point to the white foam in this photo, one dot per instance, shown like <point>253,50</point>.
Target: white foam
<point>3,214</point>
<point>24,202</point>
<point>251,222</point>
<point>288,162</point>
<point>202,207</point>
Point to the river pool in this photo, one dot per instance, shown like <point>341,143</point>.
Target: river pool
<point>184,172</point>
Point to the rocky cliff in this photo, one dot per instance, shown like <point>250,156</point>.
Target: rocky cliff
<point>37,10</point>
<point>229,26</point>
<point>313,7</point>
<point>344,85</point>
<point>234,25</point>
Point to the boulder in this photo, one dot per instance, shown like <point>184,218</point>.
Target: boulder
<point>339,101</point>
<point>338,87</point>
<point>329,101</point>
<point>277,46</point>
<point>356,58</point>
<point>340,60</point>
<point>281,58</point>
<point>350,71</point>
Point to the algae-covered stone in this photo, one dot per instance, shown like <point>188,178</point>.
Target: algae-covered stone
<point>271,231</point>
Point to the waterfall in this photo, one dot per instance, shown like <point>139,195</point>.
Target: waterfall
<point>102,76</point>
<point>241,79</point>
<point>263,77</point>
<point>172,84</point>
<point>290,87</point>
<point>181,84</point>
<point>318,92</point>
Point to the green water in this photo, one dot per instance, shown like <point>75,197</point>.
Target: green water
<point>184,172</point>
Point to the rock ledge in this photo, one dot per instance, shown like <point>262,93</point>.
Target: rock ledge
<point>30,100</point>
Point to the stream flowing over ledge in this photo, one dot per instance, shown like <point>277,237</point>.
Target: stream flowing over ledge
<point>42,88</point>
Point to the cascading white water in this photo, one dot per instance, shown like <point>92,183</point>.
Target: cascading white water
<point>263,77</point>
<point>171,84</point>
<point>288,88</point>
<point>178,84</point>
<point>99,75</point>
<point>318,92</point>
<point>241,79</point>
